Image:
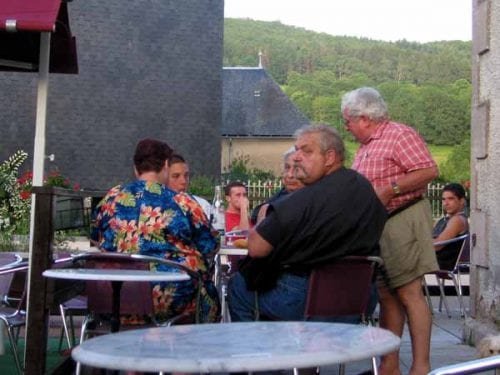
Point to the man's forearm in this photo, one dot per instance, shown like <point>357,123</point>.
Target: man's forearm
<point>417,179</point>
<point>258,247</point>
<point>413,180</point>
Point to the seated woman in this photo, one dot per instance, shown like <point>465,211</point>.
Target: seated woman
<point>290,184</point>
<point>146,217</point>
<point>452,225</point>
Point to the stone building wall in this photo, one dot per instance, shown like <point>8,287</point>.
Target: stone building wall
<point>485,160</point>
<point>147,69</point>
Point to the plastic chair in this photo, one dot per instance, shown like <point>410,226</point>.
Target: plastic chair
<point>341,289</point>
<point>14,316</point>
<point>460,267</point>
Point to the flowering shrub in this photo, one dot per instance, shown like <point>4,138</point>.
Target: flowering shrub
<point>14,209</point>
<point>15,193</point>
<point>55,178</point>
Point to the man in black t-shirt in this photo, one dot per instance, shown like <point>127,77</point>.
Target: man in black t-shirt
<point>336,214</point>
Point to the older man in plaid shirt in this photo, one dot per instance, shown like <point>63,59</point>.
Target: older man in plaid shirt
<point>396,160</point>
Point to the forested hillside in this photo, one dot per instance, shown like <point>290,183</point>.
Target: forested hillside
<point>425,85</point>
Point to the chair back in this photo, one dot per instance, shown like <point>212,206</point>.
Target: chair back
<point>7,260</point>
<point>135,297</point>
<point>341,288</point>
<point>14,291</point>
<point>464,257</point>
<point>452,252</point>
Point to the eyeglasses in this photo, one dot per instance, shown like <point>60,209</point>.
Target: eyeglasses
<point>349,120</point>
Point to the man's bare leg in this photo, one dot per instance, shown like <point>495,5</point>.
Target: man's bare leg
<point>419,323</point>
<point>392,317</point>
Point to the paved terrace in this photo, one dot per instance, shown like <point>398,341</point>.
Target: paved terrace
<point>446,343</point>
<point>447,346</point>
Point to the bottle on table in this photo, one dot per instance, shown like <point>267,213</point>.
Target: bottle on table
<point>217,215</point>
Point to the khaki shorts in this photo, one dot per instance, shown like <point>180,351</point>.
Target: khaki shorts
<point>406,245</point>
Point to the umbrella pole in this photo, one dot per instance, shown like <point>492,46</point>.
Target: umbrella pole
<point>41,110</point>
<point>38,167</point>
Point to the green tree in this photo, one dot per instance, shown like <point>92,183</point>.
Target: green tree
<point>456,168</point>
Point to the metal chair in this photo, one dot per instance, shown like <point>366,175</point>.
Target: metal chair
<point>461,265</point>
<point>67,309</point>
<point>14,316</point>
<point>342,288</point>
<point>7,261</point>
<point>74,306</point>
<point>469,367</point>
<point>224,269</point>
<point>135,296</point>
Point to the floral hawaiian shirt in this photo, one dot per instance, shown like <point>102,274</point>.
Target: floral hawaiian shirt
<point>148,218</point>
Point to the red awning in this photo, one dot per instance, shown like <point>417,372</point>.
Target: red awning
<point>21,22</point>
<point>28,15</point>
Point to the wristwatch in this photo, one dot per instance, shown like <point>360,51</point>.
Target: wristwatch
<point>395,188</point>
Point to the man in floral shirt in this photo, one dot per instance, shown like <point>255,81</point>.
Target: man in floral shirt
<point>146,217</point>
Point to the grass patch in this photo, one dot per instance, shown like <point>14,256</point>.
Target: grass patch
<point>440,153</point>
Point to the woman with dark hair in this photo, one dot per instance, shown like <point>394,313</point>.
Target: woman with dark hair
<point>146,217</point>
<point>453,224</point>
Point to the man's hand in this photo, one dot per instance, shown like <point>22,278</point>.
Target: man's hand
<point>244,219</point>
<point>244,204</point>
<point>385,194</point>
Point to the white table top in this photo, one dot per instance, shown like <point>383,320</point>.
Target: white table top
<point>253,346</point>
<point>232,251</point>
<point>113,274</point>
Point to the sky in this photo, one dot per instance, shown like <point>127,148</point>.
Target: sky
<point>389,20</point>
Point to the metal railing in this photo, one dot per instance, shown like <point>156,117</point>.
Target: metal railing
<point>259,191</point>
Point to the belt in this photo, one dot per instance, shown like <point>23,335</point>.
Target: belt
<point>405,206</point>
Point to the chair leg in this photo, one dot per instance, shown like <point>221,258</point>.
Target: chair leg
<point>443,297</point>
<point>61,336</point>
<point>62,312</point>
<point>13,348</point>
<point>82,338</point>
<point>427,295</point>
<point>374,366</point>
<point>72,327</point>
<point>458,289</point>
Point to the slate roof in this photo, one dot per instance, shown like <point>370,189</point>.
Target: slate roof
<point>254,105</point>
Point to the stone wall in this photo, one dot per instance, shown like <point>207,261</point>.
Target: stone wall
<point>485,160</point>
<point>147,69</point>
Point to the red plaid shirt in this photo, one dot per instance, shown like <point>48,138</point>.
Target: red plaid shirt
<point>392,151</point>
